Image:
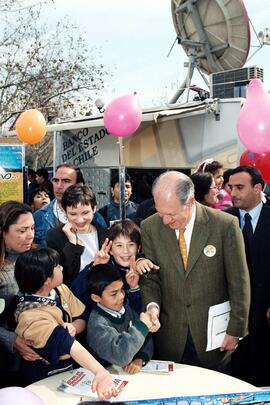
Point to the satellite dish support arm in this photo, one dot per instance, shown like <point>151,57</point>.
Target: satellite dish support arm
<point>186,82</point>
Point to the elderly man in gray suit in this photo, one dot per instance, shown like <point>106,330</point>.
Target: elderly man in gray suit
<point>202,262</point>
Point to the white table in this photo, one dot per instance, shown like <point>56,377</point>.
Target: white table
<point>183,381</point>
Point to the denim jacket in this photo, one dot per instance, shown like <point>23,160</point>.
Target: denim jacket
<point>45,219</point>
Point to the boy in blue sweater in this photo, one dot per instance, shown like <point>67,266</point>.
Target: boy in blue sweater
<point>115,332</point>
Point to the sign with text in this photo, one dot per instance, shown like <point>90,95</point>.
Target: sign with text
<point>88,147</point>
<point>11,172</point>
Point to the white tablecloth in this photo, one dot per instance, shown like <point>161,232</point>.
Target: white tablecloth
<point>183,381</point>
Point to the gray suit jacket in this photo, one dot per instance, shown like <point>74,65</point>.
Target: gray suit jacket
<point>184,297</point>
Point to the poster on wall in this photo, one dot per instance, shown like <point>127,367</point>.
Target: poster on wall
<point>11,172</point>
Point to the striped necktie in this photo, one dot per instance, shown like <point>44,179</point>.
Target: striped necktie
<point>183,247</point>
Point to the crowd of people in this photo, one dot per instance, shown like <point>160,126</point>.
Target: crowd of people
<point>82,287</point>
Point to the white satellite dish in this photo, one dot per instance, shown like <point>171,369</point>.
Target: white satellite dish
<point>215,34</point>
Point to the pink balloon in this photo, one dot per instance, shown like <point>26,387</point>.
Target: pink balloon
<point>123,115</point>
<point>18,395</point>
<point>253,124</point>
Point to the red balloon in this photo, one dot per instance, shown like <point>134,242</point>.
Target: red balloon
<point>259,160</point>
<point>247,159</point>
<point>262,162</point>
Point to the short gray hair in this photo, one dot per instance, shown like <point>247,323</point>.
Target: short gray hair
<point>184,190</point>
<point>177,182</point>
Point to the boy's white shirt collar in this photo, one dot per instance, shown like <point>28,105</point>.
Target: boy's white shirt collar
<point>51,296</point>
<point>115,314</point>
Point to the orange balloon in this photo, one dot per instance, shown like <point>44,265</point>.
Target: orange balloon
<point>31,126</point>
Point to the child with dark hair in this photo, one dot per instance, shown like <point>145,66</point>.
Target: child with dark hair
<point>124,245</point>
<point>50,316</point>
<point>215,168</point>
<point>39,197</point>
<point>224,196</point>
<point>111,211</point>
<point>121,248</point>
<point>42,176</point>
<point>115,332</point>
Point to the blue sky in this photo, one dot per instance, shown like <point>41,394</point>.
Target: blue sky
<point>135,38</point>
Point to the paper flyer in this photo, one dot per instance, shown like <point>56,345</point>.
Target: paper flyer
<point>218,319</point>
<point>158,366</point>
<point>80,380</point>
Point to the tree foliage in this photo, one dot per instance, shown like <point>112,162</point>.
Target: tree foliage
<point>51,70</point>
<point>46,66</point>
<point>41,154</point>
<point>18,5</point>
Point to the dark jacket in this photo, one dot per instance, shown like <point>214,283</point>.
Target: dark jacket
<point>258,263</point>
<point>111,212</point>
<point>70,254</point>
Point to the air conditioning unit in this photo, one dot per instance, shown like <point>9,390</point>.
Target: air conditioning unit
<point>233,83</point>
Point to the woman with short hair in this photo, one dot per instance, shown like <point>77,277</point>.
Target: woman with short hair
<point>216,169</point>
<point>205,188</point>
<point>81,237</point>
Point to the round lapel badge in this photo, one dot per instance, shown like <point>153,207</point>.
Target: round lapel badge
<point>209,250</point>
<point>2,305</point>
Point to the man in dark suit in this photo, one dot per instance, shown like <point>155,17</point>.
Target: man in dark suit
<point>251,361</point>
<point>213,270</point>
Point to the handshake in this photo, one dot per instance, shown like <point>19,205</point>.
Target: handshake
<point>150,318</point>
